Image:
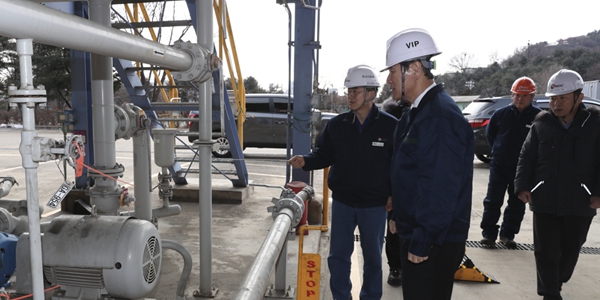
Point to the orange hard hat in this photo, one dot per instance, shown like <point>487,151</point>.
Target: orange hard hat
<point>523,86</point>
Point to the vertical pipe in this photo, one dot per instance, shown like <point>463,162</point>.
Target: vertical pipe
<point>25,50</point>
<point>204,28</point>
<point>288,146</point>
<point>141,176</point>
<point>103,115</point>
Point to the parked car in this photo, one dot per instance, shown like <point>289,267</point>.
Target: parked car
<point>264,127</point>
<point>588,102</point>
<point>478,113</point>
<point>480,110</point>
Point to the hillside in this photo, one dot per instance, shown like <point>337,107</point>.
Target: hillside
<point>538,61</point>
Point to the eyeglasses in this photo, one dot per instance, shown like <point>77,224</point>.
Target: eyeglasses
<point>352,93</point>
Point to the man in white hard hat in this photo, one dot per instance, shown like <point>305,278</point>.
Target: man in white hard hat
<point>358,147</point>
<point>558,174</point>
<point>432,170</point>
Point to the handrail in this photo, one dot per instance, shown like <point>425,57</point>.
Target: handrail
<point>237,82</point>
<point>173,92</point>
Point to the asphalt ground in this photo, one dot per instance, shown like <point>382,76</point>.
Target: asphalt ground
<point>239,229</point>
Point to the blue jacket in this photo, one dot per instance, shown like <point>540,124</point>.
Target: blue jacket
<point>432,173</point>
<point>359,160</point>
<point>506,133</point>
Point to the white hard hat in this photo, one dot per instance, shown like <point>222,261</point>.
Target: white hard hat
<point>564,82</point>
<point>409,44</point>
<point>361,75</point>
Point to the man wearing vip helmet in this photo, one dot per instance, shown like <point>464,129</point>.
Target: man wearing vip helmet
<point>432,170</point>
<point>358,147</point>
<point>558,174</point>
<point>506,131</point>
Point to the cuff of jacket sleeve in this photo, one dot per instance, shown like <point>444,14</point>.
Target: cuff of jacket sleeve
<point>419,248</point>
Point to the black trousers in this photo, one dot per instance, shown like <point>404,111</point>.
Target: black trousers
<point>557,241</point>
<point>392,246</point>
<point>432,279</point>
<point>501,181</point>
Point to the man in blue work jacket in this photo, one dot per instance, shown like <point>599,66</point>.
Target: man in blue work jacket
<point>432,170</point>
<point>358,147</point>
<point>506,133</point>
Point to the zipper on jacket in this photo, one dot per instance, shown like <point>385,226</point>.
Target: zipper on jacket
<point>537,186</point>
<point>586,189</point>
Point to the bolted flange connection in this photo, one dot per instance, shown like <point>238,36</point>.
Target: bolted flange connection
<point>204,63</point>
<point>27,95</point>
<point>294,204</point>
<point>130,120</point>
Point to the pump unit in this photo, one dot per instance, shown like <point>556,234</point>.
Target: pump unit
<point>95,256</point>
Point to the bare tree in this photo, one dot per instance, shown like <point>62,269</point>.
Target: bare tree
<point>494,57</point>
<point>541,78</point>
<point>462,62</point>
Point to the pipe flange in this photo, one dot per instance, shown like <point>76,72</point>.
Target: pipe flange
<point>293,204</point>
<point>7,222</point>
<point>116,172</point>
<point>130,120</point>
<point>27,95</point>
<point>123,123</point>
<point>203,63</point>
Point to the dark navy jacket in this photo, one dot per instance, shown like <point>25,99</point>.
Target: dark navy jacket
<point>432,173</point>
<point>359,160</point>
<point>506,133</point>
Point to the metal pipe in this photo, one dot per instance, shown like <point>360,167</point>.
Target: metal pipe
<point>104,194</point>
<point>187,266</point>
<point>256,281</point>
<point>166,192</point>
<point>142,176</point>
<point>161,212</point>
<point>25,51</point>
<point>167,211</point>
<point>287,213</point>
<point>288,130</point>
<point>204,28</point>
<point>5,185</point>
<point>53,27</point>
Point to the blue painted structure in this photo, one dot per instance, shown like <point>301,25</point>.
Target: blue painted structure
<point>305,45</point>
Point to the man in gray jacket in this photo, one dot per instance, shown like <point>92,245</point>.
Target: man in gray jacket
<point>558,174</point>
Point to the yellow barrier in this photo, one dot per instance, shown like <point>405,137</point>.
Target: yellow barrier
<point>309,264</point>
<point>309,269</point>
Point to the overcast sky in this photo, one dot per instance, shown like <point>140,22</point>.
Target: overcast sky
<point>355,32</point>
